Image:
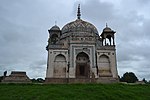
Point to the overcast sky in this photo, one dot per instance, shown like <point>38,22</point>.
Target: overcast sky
<point>24,35</point>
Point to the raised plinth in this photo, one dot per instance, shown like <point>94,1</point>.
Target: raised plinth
<point>16,77</point>
<point>80,80</point>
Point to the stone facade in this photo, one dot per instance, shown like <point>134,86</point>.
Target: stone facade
<point>77,53</point>
<point>16,77</point>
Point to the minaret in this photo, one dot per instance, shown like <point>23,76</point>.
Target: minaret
<point>78,12</point>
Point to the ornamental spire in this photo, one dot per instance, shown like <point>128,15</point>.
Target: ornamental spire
<point>55,23</point>
<point>78,13</point>
<point>106,25</point>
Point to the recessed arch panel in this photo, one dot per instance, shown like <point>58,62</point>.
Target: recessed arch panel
<point>60,66</point>
<point>60,58</point>
<point>104,59</point>
<point>104,66</point>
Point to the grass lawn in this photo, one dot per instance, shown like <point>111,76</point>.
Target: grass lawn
<point>74,92</point>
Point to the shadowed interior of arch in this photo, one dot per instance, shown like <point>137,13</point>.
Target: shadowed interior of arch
<point>82,65</point>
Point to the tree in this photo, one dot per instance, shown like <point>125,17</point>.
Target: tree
<point>144,80</point>
<point>38,80</point>
<point>129,77</point>
<point>33,80</point>
<point>149,82</point>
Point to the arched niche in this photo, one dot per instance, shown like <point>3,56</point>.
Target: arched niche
<point>104,65</point>
<point>60,65</point>
<point>104,62</point>
<point>82,65</point>
<point>60,58</point>
<point>104,59</point>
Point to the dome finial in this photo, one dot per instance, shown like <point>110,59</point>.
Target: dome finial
<point>78,13</point>
<point>106,25</point>
<point>55,23</point>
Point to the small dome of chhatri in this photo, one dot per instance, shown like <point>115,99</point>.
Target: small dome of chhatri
<point>107,29</point>
<point>55,28</point>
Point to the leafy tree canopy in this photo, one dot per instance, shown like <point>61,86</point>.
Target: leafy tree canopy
<point>129,77</point>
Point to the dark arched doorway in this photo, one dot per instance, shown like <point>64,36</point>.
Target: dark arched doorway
<point>82,65</point>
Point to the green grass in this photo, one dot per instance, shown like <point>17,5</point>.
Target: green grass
<point>74,92</point>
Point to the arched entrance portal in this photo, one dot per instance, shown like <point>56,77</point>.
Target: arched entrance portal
<point>82,65</point>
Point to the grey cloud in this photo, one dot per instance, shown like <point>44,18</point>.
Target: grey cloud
<point>38,64</point>
<point>97,12</point>
<point>132,32</point>
<point>24,25</point>
<point>37,69</point>
<point>21,41</point>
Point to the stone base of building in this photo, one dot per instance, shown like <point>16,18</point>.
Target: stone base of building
<point>16,77</point>
<point>80,80</point>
